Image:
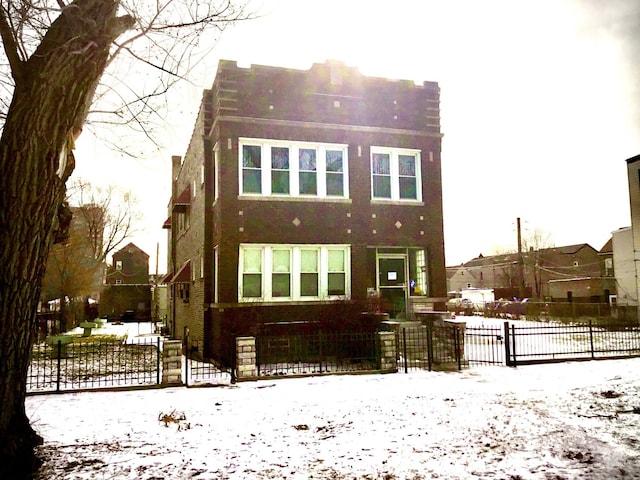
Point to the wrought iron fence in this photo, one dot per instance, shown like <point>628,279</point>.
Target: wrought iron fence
<point>201,370</point>
<point>315,353</point>
<point>430,347</point>
<point>76,363</point>
<point>525,342</point>
<point>532,342</point>
<point>484,344</point>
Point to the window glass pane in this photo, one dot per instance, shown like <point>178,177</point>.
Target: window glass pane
<point>279,181</point>
<point>408,187</point>
<point>336,260</point>
<point>281,261</point>
<point>381,187</point>
<point>251,181</point>
<point>407,165</point>
<point>335,182</point>
<point>251,156</point>
<point>309,284</point>
<point>334,161</point>
<point>336,284</point>
<point>252,285</point>
<point>381,164</point>
<point>309,260</point>
<point>252,260</point>
<point>308,183</point>
<point>309,273</point>
<point>281,285</point>
<point>280,158</point>
<point>281,279</point>
<point>307,159</point>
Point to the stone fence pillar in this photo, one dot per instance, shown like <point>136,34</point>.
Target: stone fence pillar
<point>246,358</point>
<point>388,352</point>
<point>172,362</point>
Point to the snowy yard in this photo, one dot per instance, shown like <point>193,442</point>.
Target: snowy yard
<point>562,421</point>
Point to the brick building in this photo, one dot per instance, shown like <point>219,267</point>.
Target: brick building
<point>570,273</point>
<point>305,196</point>
<point>127,291</point>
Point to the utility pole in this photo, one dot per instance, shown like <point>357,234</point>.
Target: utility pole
<point>520,264</point>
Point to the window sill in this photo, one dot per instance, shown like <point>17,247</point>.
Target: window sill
<point>412,203</point>
<point>285,198</point>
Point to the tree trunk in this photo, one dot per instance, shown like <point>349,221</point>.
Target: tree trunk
<point>52,94</point>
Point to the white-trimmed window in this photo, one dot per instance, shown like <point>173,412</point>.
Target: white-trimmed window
<point>293,272</point>
<point>395,174</point>
<point>297,169</point>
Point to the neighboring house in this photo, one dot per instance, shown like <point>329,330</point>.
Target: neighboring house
<point>570,273</point>
<point>633,178</point>
<point>460,278</point>
<point>305,196</point>
<point>127,289</point>
<point>625,272</point>
<point>159,298</point>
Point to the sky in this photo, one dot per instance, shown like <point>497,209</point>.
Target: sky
<point>540,108</point>
<point>569,420</point>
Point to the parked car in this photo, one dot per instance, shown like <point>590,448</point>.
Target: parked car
<point>461,306</point>
<point>128,316</point>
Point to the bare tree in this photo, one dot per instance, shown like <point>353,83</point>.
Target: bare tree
<point>109,215</point>
<point>103,218</point>
<point>55,56</point>
<point>535,246</point>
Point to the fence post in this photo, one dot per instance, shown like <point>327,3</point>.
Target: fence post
<point>246,358</point>
<point>593,355</point>
<point>507,345</point>
<point>158,362</point>
<point>456,346</point>
<point>430,345</point>
<point>404,349</point>
<point>513,346</point>
<point>59,356</point>
<point>320,349</point>
<point>388,358</point>
<point>172,362</point>
<point>186,356</point>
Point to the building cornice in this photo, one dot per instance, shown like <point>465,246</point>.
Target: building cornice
<point>323,126</point>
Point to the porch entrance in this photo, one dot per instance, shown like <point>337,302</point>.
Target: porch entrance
<point>392,284</point>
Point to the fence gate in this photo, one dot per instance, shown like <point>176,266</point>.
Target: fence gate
<point>429,347</point>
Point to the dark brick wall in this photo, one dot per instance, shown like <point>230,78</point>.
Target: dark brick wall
<point>329,103</point>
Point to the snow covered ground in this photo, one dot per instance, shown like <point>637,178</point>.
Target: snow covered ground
<point>562,421</point>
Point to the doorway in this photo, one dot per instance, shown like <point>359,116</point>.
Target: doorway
<point>392,284</point>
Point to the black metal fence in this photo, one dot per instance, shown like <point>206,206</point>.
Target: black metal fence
<point>201,370</point>
<point>430,347</point>
<point>525,342</point>
<point>314,353</point>
<point>89,363</point>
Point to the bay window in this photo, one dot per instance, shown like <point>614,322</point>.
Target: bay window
<point>296,272</point>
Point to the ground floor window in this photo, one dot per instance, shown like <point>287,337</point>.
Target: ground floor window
<point>293,272</point>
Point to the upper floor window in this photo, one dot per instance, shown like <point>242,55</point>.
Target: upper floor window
<point>608,266</point>
<point>395,174</point>
<point>293,272</point>
<point>270,167</point>
<point>118,265</point>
